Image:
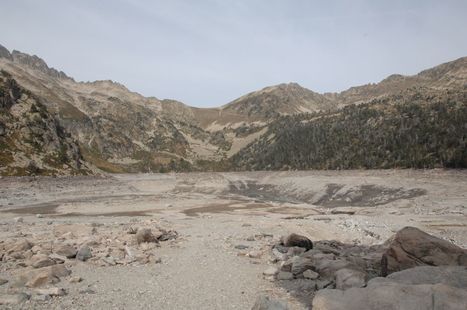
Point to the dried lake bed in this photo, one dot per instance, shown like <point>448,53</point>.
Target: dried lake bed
<point>220,220</point>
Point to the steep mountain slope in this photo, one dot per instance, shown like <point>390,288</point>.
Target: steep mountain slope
<point>31,140</point>
<point>417,128</point>
<point>117,130</point>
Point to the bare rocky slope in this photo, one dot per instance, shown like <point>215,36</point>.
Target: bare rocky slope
<point>117,130</point>
<point>31,139</point>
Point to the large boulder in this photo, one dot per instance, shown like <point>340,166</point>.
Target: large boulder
<point>392,296</point>
<point>347,278</point>
<point>294,240</point>
<point>412,247</point>
<point>455,276</point>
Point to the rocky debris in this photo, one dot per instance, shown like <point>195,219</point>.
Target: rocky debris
<point>264,302</point>
<point>3,281</point>
<point>335,268</point>
<point>347,278</point>
<point>13,299</point>
<point>241,247</point>
<point>84,253</point>
<point>392,296</point>
<point>65,250</point>
<point>294,240</point>
<point>412,247</point>
<point>145,235</point>
<point>18,220</point>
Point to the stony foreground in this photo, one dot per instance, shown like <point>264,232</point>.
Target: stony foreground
<point>213,241</point>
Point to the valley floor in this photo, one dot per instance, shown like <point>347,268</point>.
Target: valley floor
<point>226,224</point>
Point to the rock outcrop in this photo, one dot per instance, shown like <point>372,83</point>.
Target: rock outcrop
<point>412,247</point>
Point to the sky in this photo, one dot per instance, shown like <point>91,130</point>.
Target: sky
<point>208,52</point>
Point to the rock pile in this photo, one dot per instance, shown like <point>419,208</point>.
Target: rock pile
<point>36,263</point>
<point>345,276</point>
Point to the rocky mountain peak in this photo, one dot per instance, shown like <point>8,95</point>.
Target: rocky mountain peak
<point>5,53</point>
<point>33,62</point>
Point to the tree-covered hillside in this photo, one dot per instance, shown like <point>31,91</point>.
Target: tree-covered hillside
<point>418,128</point>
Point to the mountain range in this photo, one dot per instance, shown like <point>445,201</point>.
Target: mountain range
<point>52,124</point>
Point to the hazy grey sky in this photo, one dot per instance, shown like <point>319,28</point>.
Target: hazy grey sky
<point>208,52</point>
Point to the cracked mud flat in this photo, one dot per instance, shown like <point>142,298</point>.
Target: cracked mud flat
<point>220,218</point>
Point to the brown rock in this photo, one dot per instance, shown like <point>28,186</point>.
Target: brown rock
<point>66,250</point>
<point>42,276</point>
<point>40,261</point>
<point>412,247</point>
<point>21,245</point>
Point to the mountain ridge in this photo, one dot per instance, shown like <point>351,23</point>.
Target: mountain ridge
<point>119,130</point>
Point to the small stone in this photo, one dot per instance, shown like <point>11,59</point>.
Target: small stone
<point>255,254</point>
<point>3,281</point>
<point>310,274</point>
<point>51,291</point>
<point>41,298</point>
<point>87,291</point>
<point>282,275</point>
<point>75,279</point>
<point>241,247</point>
<point>271,271</point>
<point>58,259</point>
<point>40,261</point>
<point>84,253</point>
<point>109,260</point>
<point>251,238</point>
<point>66,250</point>
<point>39,216</point>
<point>18,220</point>
<point>168,235</point>
<point>286,266</point>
